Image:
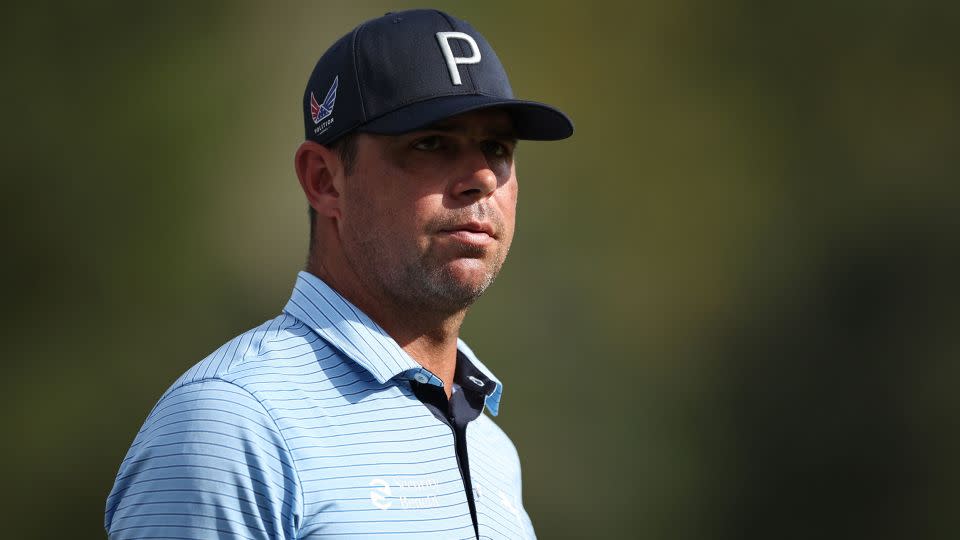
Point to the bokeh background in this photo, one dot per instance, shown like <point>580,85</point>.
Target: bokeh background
<point>731,310</point>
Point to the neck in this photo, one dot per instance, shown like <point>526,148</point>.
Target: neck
<point>432,344</point>
<point>429,337</point>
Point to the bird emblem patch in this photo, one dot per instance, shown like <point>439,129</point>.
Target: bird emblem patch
<point>320,112</point>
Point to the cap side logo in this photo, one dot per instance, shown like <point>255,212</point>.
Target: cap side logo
<point>320,112</point>
<point>444,39</point>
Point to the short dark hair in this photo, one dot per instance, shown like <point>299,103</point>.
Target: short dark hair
<point>346,148</point>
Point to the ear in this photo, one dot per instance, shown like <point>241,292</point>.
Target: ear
<point>318,168</point>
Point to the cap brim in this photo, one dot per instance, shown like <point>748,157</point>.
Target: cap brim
<point>532,121</point>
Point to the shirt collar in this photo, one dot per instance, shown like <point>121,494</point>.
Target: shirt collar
<point>351,331</point>
<point>473,368</point>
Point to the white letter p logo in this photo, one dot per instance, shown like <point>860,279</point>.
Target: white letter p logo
<point>452,61</point>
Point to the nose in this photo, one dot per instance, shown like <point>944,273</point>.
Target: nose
<point>476,179</point>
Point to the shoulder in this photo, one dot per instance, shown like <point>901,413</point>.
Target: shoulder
<point>208,454</point>
<point>272,361</point>
<point>276,344</point>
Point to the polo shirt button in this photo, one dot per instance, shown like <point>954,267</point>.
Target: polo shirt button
<point>421,378</point>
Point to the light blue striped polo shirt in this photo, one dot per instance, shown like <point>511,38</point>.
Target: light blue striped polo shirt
<point>306,427</point>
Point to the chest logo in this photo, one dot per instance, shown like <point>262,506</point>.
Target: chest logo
<point>380,494</point>
<point>407,492</point>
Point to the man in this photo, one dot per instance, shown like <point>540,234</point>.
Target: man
<point>357,411</point>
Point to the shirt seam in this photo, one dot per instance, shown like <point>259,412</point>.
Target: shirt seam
<point>356,71</point>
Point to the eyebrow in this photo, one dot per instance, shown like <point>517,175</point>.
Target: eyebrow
<point>443,127</point>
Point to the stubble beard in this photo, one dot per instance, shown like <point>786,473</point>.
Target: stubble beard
<point>435,286</point>
<point>427,284</point>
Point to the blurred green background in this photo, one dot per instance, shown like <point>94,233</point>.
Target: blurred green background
<point>731,310</point>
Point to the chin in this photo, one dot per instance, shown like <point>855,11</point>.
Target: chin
<point>470,273</point>
<point>461,284</point>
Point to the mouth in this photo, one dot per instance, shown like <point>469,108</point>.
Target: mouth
<point>472,232</point>
<point>473,227</point>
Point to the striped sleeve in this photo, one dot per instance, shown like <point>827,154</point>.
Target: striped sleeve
<point>209,462</point>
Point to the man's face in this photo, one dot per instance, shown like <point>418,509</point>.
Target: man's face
<point>427,217</point>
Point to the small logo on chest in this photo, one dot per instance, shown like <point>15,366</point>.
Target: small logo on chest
<point>381,494</point>
<point>404,492</point>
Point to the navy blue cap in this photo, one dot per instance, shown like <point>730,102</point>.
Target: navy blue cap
<point>407,70</point>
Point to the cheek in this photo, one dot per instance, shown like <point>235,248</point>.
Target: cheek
<point>422,214</point>
<point>508,204</point>
<point>399,218</point>
<point>367,217</point>
<point>373,197</point>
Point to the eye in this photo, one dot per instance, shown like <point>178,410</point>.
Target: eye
<point>428,143</point>
<point>496,148</point>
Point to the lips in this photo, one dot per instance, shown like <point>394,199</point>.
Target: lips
<point>473,232</point>
<point>472,227</point>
